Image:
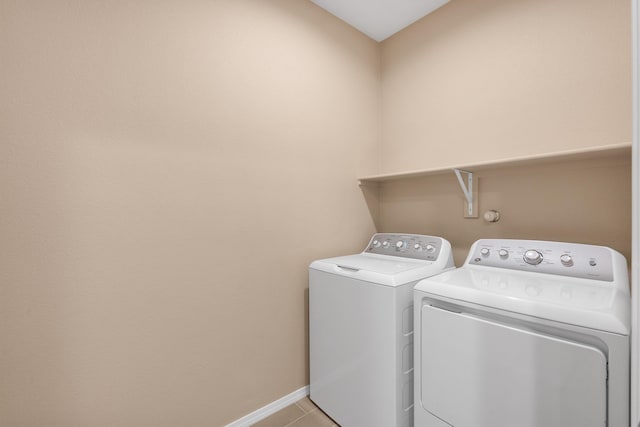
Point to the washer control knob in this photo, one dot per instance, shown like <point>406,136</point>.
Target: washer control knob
<point>430,248</point>
<point>566,260</point>
<point>417,247</point>
<point>503,253</point>
<point>386,244</point>
<point>532,257</point>
<point>401,244</point>
<point>485,252</point>
<point>376,244</point>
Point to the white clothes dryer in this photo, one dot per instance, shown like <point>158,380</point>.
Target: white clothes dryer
<point>525,334</point>
<point>361,328</point>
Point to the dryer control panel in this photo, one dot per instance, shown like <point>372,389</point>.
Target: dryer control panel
<point>416,246</point>
<point>564,259</point>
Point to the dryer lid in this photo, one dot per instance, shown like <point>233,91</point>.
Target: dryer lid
<point>588,303</point>
<point>493,374</point>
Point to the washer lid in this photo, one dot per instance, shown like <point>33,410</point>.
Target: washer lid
<point>582,302</point>
<point>381,269</point>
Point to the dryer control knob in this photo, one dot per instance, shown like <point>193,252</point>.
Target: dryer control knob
<point>503,253</point>
<point>532,257</point>
<point>566,260</point>
<point>430,248</point>
<point>401,244</point>
<point>485,252</point>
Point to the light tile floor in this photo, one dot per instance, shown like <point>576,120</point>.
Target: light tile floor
<point>303,413</point>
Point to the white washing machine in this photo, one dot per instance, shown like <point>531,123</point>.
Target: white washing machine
<point>361,328</point>
<point>525,334</point>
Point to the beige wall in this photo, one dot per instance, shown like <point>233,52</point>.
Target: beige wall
<point>168,169</point>
<point>481,80</point>
<point>584,201</point>
<point>167,172</point>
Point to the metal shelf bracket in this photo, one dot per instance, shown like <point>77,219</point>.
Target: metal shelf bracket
<point>470,193</point>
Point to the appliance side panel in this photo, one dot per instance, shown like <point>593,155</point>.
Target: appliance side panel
<point>352,350</point>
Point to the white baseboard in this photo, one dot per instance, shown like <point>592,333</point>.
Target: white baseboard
<point>271,408</point>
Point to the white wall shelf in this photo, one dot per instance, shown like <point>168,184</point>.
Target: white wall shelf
<point>605,151</point>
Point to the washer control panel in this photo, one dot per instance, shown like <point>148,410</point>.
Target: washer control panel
<point>415,246</point>
<point>564,259</point>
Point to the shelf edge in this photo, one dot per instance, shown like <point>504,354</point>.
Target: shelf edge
<point>581,153</point>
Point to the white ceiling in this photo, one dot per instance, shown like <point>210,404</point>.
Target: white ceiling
<point>380,19</point>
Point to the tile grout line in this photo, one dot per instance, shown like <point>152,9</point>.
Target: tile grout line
<point>299,418</point>
<point>303,409</point>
